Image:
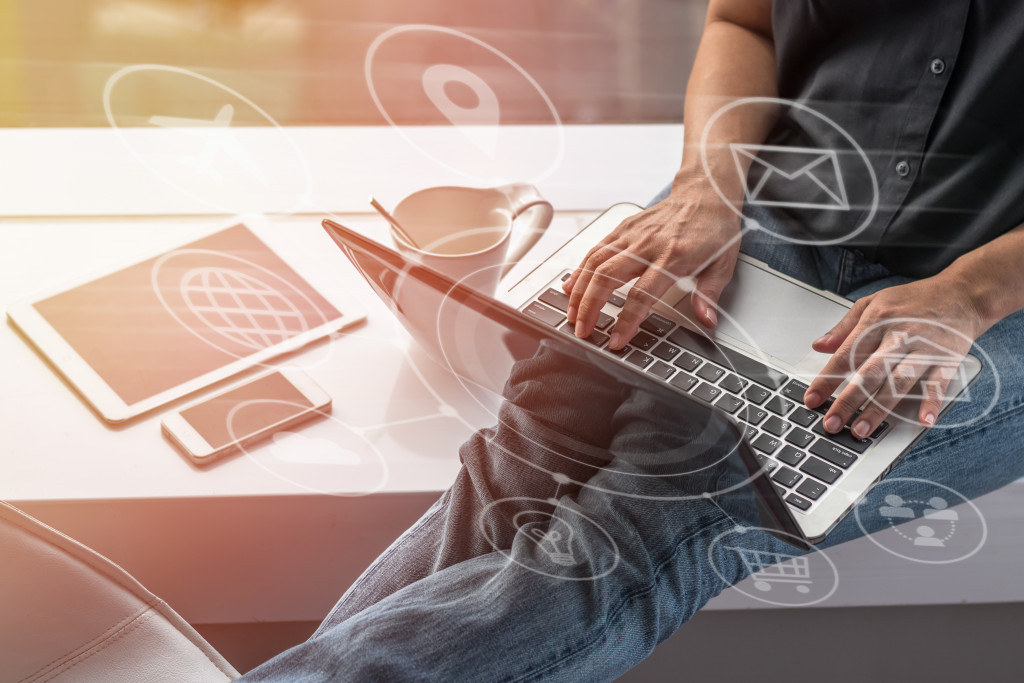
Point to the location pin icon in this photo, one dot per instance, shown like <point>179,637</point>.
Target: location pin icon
<point>478,123</point>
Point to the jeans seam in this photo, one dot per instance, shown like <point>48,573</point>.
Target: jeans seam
<point>629,597</point>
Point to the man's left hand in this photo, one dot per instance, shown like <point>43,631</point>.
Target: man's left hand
<point>888,343</point>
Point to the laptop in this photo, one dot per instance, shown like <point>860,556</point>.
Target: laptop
<point>766,461</point>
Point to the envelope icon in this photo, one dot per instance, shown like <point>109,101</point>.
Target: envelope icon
<point>791,177</point>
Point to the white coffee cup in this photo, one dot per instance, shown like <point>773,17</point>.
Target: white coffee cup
<point>466,233</point>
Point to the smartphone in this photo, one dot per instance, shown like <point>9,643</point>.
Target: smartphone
<point>244,414</point>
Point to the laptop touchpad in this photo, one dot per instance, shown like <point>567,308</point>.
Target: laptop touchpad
<point>774,315</point>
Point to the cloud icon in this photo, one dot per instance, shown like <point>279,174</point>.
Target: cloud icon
<point>293,447</point>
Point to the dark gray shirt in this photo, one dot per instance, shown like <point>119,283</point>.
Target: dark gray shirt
<point>933,92</point>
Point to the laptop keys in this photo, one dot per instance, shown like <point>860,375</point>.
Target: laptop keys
<point>803,417</point>
<point>794,391</point>
<point>683,381</point>
<point>688,362</point>
<point>800,438</point>
<point>729,403</point>
<point>779,405</point>
<point>706,392</point>
<point>616,300</point>
<point>811,489</point>
<point>621,353</point>
<point>798,502</point>
<point>833,453</point>
<point>790,455</point>
<point>604,321</point>
<point>743,365</point>
<point>661,369</point>
<point>666,351</point>
<point>657,325</point>
<point>844,438</point>
<point>819,469</point>
<point>758,394</point>
<point>766,463</point>
<point>752,414</point>
<point>643,341</point>
<point>553,297</point>
<point>639,359</point>
<point>733,383</point>
<point>787,477</point>
<point>596,338</point>
<point>544,314</point>
<point>710,372</point>
<point>776,425</point>
<point>766,444</point>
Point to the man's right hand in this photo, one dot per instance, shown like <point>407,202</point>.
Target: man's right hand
<point>691,234</point>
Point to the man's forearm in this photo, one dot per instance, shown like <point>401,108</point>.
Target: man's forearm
<point>736,59</point>
<point>992,276</point>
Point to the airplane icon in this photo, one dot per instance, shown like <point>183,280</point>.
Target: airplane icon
<point>217,137</point>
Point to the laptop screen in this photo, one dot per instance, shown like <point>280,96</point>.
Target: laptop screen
<point>567,411</point>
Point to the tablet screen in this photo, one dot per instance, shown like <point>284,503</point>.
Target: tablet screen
<point>157,324</point>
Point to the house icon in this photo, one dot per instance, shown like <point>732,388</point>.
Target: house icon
<point>929,354</point>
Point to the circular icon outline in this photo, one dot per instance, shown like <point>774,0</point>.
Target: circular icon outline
<point>891,480</point>
<point>395,30</point>
<point>118,75</point>
<point>553,502</point>
<point>385,471</point>
<point>814,550</point>
<point>159,263</point>
<point>754,225</point>
<point>986,362</point>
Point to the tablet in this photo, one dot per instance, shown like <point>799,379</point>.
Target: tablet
<point>138,337</point>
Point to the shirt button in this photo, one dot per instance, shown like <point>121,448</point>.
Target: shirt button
<point>903,169</point>
<point>937,66</point>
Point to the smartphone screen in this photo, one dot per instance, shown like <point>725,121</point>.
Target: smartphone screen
<point>280,400</point>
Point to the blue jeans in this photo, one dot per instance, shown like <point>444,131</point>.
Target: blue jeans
<point>463,595</point>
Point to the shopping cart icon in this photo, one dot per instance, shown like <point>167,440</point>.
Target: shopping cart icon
<point>770,568</point>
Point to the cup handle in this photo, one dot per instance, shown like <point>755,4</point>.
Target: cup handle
<point>523,197</point>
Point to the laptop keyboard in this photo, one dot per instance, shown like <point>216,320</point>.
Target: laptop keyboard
<point>788,439</point>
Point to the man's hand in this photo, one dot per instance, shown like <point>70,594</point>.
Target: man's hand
<point>689,234</point>
<point>891,341</point>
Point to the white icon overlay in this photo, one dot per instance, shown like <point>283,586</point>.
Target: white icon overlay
<point>479,122</point>
<point>815,166</point>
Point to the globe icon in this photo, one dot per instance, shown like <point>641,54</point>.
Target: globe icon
<point>240,307</point>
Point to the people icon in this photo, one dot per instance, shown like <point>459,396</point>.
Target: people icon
<point>926,537</point>
<point>940,510</point>
<point>895,508</point>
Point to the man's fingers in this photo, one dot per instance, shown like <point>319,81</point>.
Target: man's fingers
<point>570,283</point>
<point>859,345</point>
<point>934,385</point>
<point>610,275</point>
<point>900,380</point>
<point>834,338</point>
<point>585,273</point>
<point>642,295</point>
<point>710,284</point>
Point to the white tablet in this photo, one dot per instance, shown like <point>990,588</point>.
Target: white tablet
<point>138,337</point>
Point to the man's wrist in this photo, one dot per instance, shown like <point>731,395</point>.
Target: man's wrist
<point>983,291</point>
<point>689,181</point>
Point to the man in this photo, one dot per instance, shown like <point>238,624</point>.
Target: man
<point>925,88</point>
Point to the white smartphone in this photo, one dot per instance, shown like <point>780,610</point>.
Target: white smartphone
<point>245,413</point>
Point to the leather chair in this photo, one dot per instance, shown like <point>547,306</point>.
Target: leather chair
<point>69,614</point>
